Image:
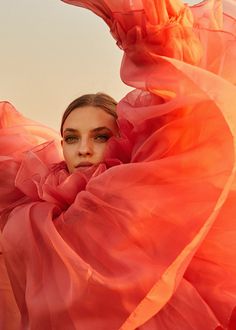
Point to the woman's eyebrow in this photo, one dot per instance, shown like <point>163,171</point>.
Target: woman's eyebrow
<point>103,128</point>
<point>70,130</point>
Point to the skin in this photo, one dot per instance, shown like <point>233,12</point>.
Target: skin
<point>86,132</point>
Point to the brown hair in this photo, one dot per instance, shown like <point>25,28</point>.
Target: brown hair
<point>99,100</point>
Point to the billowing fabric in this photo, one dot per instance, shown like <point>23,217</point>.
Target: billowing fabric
<point>145,240</point>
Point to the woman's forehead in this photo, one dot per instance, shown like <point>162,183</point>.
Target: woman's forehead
<point>89,118</point>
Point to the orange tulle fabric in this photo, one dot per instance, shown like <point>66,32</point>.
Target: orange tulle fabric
<point>145,240</point>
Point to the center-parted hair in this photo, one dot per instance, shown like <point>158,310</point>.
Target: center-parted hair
<point>99,100</point>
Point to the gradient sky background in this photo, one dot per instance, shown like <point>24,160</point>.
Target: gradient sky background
<point>51,53</point>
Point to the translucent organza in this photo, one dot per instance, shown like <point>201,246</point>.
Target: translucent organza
<point>145,240</point>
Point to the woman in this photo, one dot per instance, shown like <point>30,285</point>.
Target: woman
<point>149,243</point>
<point>87,125</point>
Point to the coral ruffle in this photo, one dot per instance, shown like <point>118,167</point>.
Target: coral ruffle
<point>145,240</point>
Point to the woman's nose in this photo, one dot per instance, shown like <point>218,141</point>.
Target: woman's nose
<point>85,147</point>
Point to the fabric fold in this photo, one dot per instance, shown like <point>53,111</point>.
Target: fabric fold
<point>145,240</point>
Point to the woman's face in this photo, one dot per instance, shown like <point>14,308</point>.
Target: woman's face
<point>86,132</point>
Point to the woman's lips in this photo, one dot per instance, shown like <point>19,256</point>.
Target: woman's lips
<point>84,165</point>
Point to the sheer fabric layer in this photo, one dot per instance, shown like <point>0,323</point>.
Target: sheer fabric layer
<point>148,243</point>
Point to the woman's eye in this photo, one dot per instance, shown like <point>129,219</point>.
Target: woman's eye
<point>71,139</point>
<point>102,138</point>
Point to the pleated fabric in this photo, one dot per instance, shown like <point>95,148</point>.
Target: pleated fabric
<point>146,239</point>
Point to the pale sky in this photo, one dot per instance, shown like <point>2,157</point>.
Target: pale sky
<point>51,53</point>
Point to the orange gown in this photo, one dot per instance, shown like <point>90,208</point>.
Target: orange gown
<point>145,240</point>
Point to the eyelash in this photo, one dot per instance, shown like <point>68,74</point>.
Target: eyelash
<point>100,138</point>
<point>70,139</point>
